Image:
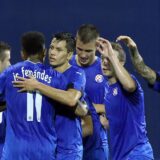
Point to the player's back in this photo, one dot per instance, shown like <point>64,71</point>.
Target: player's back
<point>30,132</point>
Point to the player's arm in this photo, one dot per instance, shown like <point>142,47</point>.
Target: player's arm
<point>87,125</point>
<point>137,60</point>
<point>69,97</point>
<point>81,109</point>
<point>100,109</point>
<point>122,74</point>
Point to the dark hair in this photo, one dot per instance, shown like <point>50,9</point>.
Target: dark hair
<point>70,40</point>
<point>3,46</point>
<point>33,42</point>
<point>87,32</point>
<point>120,50</point>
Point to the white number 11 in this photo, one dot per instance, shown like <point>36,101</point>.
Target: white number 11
<point>1,117</point>
<point>30,106</point>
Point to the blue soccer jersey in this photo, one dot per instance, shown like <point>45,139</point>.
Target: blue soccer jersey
<point>94,89</point>
<point>125,112</point>
<point>30,130</point>
<point>93,144</point>
<point>68,125</point>
<point>95,80</point>
<point>156,85</point>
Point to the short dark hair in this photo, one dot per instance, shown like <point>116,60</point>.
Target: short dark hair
<point>3,46</point>
<point>69,38</point>
<point>33,42</point>
<point>120,50</point>
<point>87,32</point>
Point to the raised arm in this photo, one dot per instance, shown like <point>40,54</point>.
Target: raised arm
<point>137,60</point>
<point>121,73</point>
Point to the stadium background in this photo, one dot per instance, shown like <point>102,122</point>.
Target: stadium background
<point>139,19</point>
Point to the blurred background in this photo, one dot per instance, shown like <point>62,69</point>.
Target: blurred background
<point>139,19</point>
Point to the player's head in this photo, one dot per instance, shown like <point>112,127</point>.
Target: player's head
<point>86,38</point>
<point>61,49</point>
<point>33,44</point>
<point>5,50</point>
<point>106,64</point>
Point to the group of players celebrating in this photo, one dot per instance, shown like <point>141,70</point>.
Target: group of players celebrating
<point>62,111</point>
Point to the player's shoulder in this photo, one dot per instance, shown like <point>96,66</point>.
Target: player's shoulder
<point>135,79</point>
<point>77,69</point>
<point>138,85</point>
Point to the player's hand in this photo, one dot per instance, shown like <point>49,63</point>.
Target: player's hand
<point>25,84</point>
<point>104,47</point>
<point>81,109</point>
<point>104,121</point>
<point>127,40</point>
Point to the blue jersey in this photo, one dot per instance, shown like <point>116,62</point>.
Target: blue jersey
<point>94,141</point>
<point>30,130</point>
<point>156,85</point>
<point>125,112</point>
<point>95,81</point>
<point>2,130</point>
<point>94,89</point>
<point>68,125</point>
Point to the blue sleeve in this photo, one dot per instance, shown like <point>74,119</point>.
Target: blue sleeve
<point>78,81</point>
<point>156,85</point>
<point>137,96</point>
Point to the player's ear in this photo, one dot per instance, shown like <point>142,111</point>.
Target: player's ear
<point>70,54</point>
<point>24,55</point>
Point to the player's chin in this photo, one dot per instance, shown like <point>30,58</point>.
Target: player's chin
<point>86,63</point>
<point>53,64</point>
<point>106,72</point>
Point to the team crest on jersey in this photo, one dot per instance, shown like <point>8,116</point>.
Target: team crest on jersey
<point>115,91</point>
<point>99,78</point>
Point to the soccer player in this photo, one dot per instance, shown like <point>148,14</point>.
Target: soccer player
<point>152,77</point>
<point>5,50</point>
<point>68,125</point>
<point>30,130</point>
<point>95,146</point>
<point>124,101</point>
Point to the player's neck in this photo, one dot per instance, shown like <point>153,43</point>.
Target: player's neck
<point>112,80</point>
<point>63,67</point>
<point>34,58</point>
